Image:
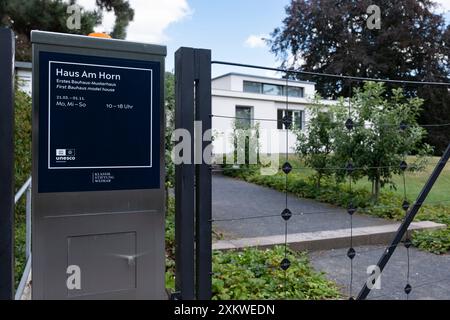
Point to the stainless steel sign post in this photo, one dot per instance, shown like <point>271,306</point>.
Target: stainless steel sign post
<point>98,168</point>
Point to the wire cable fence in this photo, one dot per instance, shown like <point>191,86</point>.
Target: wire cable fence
<point>401,126</point>
<point>348,169</point>
<point>333,211</point>
<point>411,168</point>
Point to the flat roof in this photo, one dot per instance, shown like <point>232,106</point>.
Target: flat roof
<point>23,65</point>
<point>259,77</point>
<point>81,41</point>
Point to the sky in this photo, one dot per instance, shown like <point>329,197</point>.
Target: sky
<point>232,29</point>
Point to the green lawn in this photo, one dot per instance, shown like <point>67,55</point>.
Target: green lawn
<point>416,180</point>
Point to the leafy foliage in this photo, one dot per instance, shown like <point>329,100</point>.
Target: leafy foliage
<point>22,167</point>
<point>170,244</point>
<point>315,144</point>
<point>19,252</point>
<point>256,274</point>
<point>22,138</point>
<point>47,15</point>
<point>51,15</point>
<point>376,144</point>
<point>123,12</point>
<point>246,145</point>
<point>436,241</point>
<point>245,140</point>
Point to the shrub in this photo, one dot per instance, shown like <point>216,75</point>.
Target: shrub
<point>436,241</point>
<point>22,167</point>
<point>22,138</point>
<point>256,274</point>
<point>170,243</point>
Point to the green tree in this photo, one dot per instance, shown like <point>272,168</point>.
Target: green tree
<point>245,140</point>
<point>314,145</point>
<point>123,12</point>
<point>384,133</point>
<point>51,15</point>
<point>48,15</point>
<point>330,36</point>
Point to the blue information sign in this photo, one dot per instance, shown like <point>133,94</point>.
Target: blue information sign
<point>99,123</point>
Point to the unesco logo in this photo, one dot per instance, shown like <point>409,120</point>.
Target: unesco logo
<point>65,154</point>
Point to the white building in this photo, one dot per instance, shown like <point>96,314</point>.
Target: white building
<point>255,99</point>
<point>23,73</point>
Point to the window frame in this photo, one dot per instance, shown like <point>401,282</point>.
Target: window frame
<point>282,112</point>
<point>279,86</point>
<point>282,89</point>
<point>238,118</point>
<point>301,89</point>
<point>260,86</point>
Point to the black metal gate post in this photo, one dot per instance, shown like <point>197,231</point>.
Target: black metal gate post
<point>6,164</point>
<point>193,181</point>
<point>203,174</point>
<point>184,177</point>
<point>409,218</point>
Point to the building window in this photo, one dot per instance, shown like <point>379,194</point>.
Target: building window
<point>296,92</point>
<point>243,117</point>
<point>296,117</point>
<point>252,87</point>
<point>272,89</point>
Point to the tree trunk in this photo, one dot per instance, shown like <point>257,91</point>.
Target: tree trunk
<point>377,188</point>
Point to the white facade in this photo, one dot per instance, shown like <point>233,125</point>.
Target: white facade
<point>23,74</point>
<point>230,95</point>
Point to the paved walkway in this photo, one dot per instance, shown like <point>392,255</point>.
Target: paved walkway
<point>429,273</point>
<point>233,198</point>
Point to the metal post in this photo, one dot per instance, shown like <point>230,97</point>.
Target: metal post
<point>184,176</point>
<point>203,175</point>
<point>409,218</point>
<point>28,222</point>
<point>6,164</point>
<point>193,180</point>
